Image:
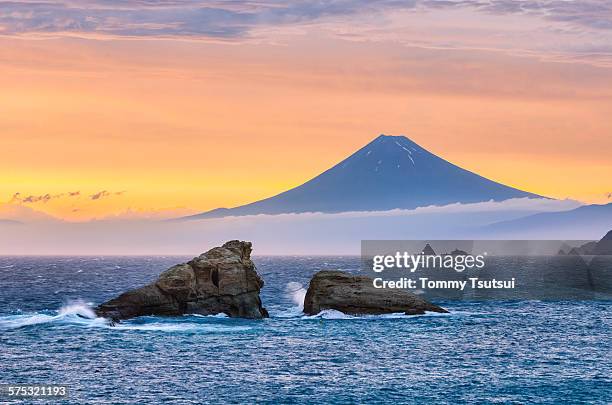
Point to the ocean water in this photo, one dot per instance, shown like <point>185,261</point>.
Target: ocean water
<point>482,352</point>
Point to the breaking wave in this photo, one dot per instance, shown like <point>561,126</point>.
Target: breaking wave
<point>75,312</point>
<point>80,314</point>
<point>296,293</point>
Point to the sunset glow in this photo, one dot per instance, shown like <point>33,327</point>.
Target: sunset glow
<point>180,122</point>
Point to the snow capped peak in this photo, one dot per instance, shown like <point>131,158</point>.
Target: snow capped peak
<point>394,149</point>
<point>402,139</point>
<point>389,172</point>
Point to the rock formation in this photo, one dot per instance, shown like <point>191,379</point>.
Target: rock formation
<point>222,280</point>
<point>586,249</point>
<point>355,295</point>
<point>603,247</point>
<point>428,250</point>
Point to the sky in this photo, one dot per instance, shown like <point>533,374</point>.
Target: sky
<point>154,109</point>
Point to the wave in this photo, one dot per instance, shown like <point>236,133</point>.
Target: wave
<point>80,314</point>
<point>221,315</point>
<point>180,327</point>
<point>334,314</point>
<point>296,293</point>
<point>329,314</point>
<point>75,312</point>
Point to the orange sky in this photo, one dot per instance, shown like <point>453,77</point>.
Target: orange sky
<point>190,125</point>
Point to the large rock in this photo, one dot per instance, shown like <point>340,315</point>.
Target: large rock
<point>356,295</point>
<point>222,280</point>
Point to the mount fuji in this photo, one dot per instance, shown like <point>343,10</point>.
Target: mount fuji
<point>390,172</point>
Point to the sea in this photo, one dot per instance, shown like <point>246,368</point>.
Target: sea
<point>506,352</point>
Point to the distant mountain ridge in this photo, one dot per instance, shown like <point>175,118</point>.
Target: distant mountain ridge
<point>9,222</point>
<point>388,173</point>
<point>583,222</point>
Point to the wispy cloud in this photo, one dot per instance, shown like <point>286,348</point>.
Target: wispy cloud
<point>567,31</point>
<point>236,18</point>
<point>524,204</point>
<point>99,195</point>
<point>19,198</point>
<point>103,194</point>
<point>149,214</point>
<point>139,233</point>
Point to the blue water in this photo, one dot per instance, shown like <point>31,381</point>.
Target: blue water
<point>487,352</point>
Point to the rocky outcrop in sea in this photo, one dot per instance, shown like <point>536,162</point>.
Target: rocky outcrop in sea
<point>222,280</point>
<point>601,248</point>
<point>356,295</point>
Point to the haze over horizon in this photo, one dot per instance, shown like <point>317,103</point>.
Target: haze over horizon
<point>131,109</point>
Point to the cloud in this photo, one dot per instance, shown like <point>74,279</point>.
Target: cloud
<point>313,233</point>
<point>99,195</point>
<point>554,30</point>
<point>237,18</point>
<point>511,205</point>
<point>18,198</point>
<point>150,214</point>
<point>37,198</point>
<point>130,18</point>
<point>103,194</point>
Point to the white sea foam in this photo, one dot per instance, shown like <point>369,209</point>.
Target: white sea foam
<point>79,313</point>
<point>74,312</point>
<point>221,315</point>
<point>330,314</point>
<point>296,293</point>
<point>179,327</point>
<point>77,308</point>
<point>334,314</point>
